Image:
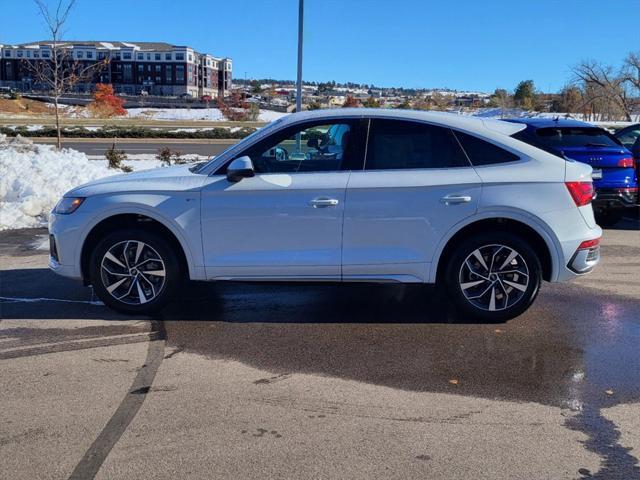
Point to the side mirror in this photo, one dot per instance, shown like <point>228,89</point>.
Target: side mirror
<point>313,143</point>
<point>240,168</point>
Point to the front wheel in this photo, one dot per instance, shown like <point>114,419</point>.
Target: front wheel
<point>134,271</point>
<point>493,277</point>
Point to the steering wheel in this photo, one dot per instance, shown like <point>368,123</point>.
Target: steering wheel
<point>281,154</point>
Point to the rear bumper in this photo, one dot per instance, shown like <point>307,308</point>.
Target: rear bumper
<point>607,198</point>
<point>584,260</point>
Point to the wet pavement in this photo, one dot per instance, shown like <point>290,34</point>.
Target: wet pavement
<point>576,349</point>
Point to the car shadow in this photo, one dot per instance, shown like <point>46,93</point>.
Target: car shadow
<point>40,294</point>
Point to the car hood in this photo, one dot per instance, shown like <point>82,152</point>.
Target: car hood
<point>175,178</point>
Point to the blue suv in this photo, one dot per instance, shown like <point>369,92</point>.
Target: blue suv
<point>614,175</point>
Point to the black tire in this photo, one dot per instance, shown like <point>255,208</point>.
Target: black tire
<point>608,218</point>
<point>458,273</point>
<point>159,288</point>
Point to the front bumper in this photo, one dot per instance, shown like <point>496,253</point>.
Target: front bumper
<point>63,241</point>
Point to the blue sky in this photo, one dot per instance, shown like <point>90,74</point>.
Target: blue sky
<point>461,44</point>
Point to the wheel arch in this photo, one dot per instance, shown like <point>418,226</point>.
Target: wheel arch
<point>542,241</point>
<point>128,219</point>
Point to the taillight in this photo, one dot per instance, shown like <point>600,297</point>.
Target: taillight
<point>627,163</point>
<point>581,192</point>
<point>587,244</point>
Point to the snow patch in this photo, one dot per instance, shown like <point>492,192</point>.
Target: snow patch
<point>208,114</point>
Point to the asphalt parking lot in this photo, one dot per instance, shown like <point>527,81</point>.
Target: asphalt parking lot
<point>318,381</point>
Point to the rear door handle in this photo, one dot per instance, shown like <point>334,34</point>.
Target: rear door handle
<point>455,199</point>
<point>324,202</point>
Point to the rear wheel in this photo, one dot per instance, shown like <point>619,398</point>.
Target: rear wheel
<point>493,276</point>
<point>134,271</point>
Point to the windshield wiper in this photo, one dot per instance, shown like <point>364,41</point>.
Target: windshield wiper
<point>597,145</point>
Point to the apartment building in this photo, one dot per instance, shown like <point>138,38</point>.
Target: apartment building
<point>132,68</point>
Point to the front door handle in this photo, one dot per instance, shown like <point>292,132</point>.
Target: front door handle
<point>323,202</point>
<point>455,199</point>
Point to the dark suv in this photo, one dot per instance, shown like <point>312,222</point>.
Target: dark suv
<point>614,174</point>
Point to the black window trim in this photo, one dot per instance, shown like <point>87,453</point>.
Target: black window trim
<point>220,169</point>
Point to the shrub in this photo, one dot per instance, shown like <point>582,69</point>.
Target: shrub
<point>170,157</point>
<point>115,158</point>
<point>106,103</point>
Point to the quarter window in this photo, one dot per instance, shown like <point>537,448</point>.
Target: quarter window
<point>481,152</point>
<point>395,144</point>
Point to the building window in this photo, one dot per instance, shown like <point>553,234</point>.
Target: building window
<point>127,74</point>
<point>102,55</point>
<point>167,56</point>
<point>158,79</point>
<point>89,54</point>
<point>20,53</point>
<point>140,68</point>
<point>190,58</point>
<point>148,56</point>
<point>168,73</point>
<point>80,55</point>
<point>28,53</point>
<point>7,53</point>
<point>125,55</point>
<point>117,55</point>
<point>157,56</point>
<point>36,55</point>
<point>179,56</point>
<point>141,56</point>
<point>158,68</point>
<point>45,54</point>
<point>180,73</point>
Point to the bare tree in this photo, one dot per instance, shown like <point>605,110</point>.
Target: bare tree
<point>59,73</point>
<point>605,87</point>
<point>631,74</point>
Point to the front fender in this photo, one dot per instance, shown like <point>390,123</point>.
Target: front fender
<point>180,213</point>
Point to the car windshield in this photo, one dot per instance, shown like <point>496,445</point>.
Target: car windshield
<point>559,137</point>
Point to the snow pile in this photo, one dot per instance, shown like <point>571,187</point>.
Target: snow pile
<point>34,177</point>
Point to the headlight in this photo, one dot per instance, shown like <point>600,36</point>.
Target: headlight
<point>68,205</point>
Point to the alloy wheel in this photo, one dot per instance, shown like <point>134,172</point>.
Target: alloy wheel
<point>494,277</point>
<point>133,272</point>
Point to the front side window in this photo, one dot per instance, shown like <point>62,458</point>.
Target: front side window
<point>397,145</point>
<point>481,152</point>
<point>314,148</point>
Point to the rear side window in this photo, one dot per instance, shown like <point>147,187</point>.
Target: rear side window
<point>397,144</point>
<point>481,152</point>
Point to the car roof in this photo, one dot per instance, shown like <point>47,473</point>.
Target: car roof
<point>452,120</point>
<point>545,122</point>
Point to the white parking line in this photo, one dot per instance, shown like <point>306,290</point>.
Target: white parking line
<point>43,299</point>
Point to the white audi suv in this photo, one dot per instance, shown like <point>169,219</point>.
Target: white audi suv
<point>347,195</point>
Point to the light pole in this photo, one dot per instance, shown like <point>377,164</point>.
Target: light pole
<point>299,81</point>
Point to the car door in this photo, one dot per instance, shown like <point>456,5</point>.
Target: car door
<point>286,221</point>
<point>416,184</point>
